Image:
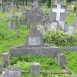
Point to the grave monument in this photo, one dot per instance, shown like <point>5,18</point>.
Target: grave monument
<point>34,44</point>
<point>58,13</point>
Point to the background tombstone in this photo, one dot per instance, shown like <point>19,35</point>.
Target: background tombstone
<point>12,24</point>
<point>61,60</point>
<point>74,24</point>
<point>3,7</point>
<point>58,13</point>
<point>5,59</point>
<point>35,5</point>
<point>70,30</point>
<point>1,68</point>
<point>12,72</point>
<point>35,68</point>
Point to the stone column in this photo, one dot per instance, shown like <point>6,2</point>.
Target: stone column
<point>6,59</point>
<point>61,60</point>
<point>35,68</point>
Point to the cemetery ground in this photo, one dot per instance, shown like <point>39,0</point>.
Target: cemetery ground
<point>9,38</point>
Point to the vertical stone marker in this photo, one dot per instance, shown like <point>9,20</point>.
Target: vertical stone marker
<point>61,60</point>
<point>1,68</point>
<point>35,68</point>
<point>35,37</point>
<point>6,59</point>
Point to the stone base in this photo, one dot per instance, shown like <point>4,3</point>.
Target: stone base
<point>33,51</point>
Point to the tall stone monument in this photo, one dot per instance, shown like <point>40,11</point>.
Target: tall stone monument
<point>34,44</point>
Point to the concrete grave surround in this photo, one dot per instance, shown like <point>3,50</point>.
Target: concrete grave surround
<point>58,12</point>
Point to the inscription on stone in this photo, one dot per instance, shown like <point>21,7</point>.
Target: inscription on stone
<point>34,41</point>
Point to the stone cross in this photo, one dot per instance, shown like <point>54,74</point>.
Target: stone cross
<point>34,18</point>
<point>35,4</point>
<point>58,10</point>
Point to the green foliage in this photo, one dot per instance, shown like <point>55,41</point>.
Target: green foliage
<point>49,3</point>
<point>60,38</point>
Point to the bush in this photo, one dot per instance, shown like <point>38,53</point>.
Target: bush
<point>60,39</point>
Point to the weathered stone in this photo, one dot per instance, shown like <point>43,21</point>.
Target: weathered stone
<point>63,2</point>
<point>74,76</point>
<point>35,68</point>
<point>5,59</point>
<point>34,18</point>
<point>34,51</point>
<point>35,5</point>
<point>12,24</point>
<point>34,45</point>
<point>70,30</point>
<point>61,60</point>
<point>12,72</point>
<point>34,38</point>
<point>58,12</point>
<point>74,24</point>
<point>1,68</point>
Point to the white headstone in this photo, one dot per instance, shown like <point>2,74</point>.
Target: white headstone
<point>58,11</point>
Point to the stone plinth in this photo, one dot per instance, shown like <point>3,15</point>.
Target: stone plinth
<point>35,68</point>
<point>34,51</point>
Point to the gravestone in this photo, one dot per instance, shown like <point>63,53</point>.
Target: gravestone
<point>35,37</point>
<point>12,24</point>
<point>74,24</point>
<point>34,42</point>
<point>69,12</point>
<point>3,8</point>
<point>12,72</point>
<point>35,5</point>
<point>61,60</point>
<point>5,59</point>
<point>24,20</point>
<point>35,68</point>
<point>58,13</point>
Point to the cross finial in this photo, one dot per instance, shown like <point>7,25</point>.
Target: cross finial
<point>34,18</point>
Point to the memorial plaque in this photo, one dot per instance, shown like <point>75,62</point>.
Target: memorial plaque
<point>34,41</point>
